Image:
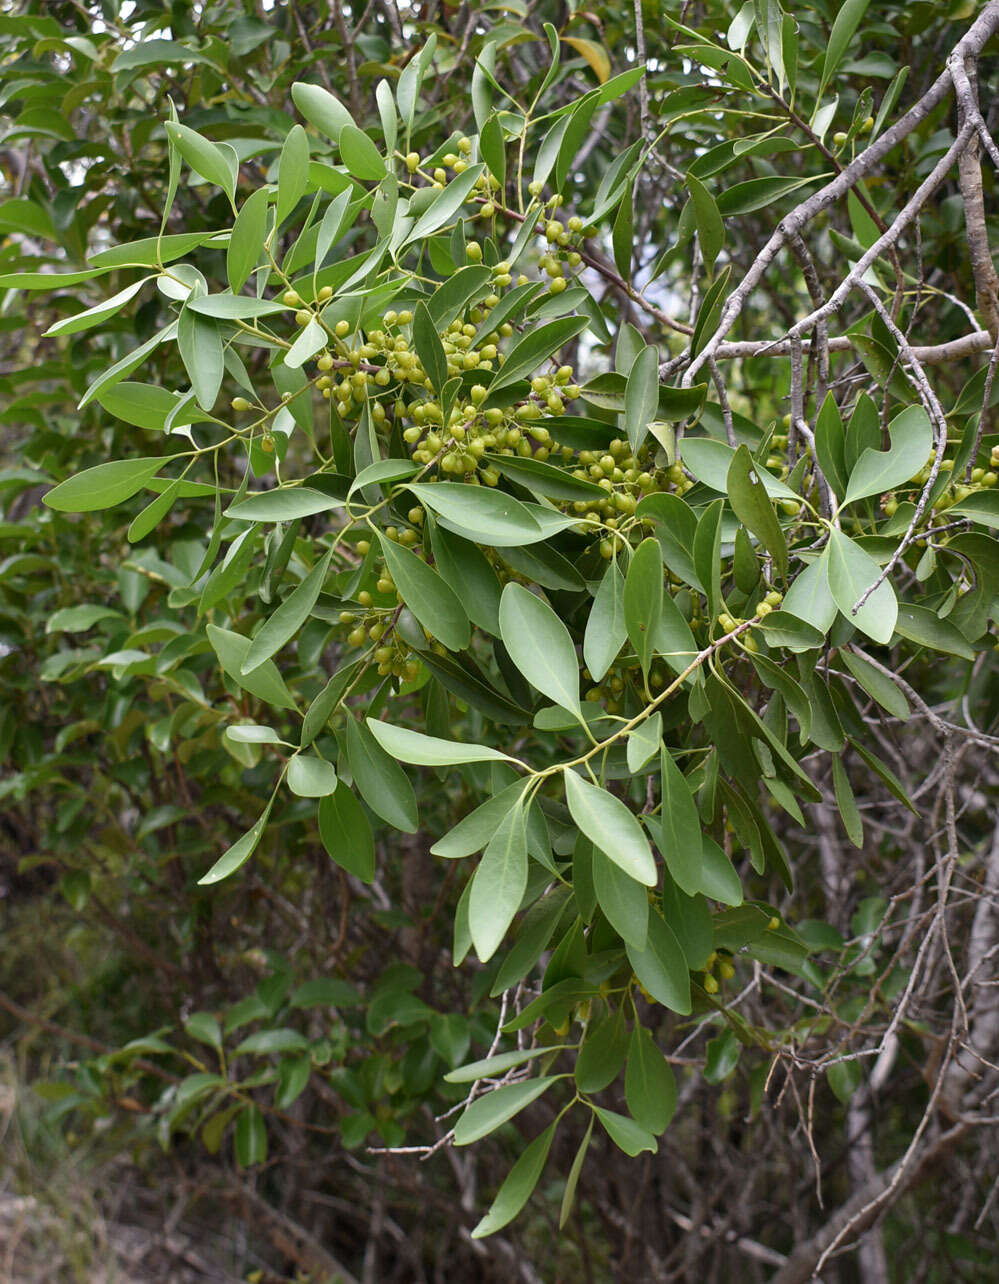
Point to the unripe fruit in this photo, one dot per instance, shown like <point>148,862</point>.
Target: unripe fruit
<point>303,316</point>
<point>710,984</point>
<point>292,298</point>
<point>325,362</point>
<point>473,252</point>
<point>357,637</point>
<point>341,329</point>
<point>325,293</point>
<point>412,161</point>
<point>240,403</point>
<point>839,138</point>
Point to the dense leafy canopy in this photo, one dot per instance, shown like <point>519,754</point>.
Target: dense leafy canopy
<point>473,500</point>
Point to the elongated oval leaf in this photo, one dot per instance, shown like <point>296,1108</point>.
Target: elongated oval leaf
<point>609,825</point>
<point>429,751</point>
<point>661,967</point>
<point>498,884</point>
<point>103,486</point>
<point>679,827</point>
<point>877,471</point>
<point>494,1109</point>
<point>643,600</point>
<point>431,599</point>
<point>380,780</point>
<point>286,621</point>
<point>516,1189</point>
<point>540,646</point>
<point>311,777</point>
<point>851,572</point>
<point>346,833</point>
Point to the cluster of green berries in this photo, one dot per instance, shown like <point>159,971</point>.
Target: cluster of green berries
<point>955,492</point>
<point>719,961</point>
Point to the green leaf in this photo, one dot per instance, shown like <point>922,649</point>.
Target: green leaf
<point>710,460</point>
<point>649,1083</point>
<point>361,157</point>
<point>77,619</point>
<point>810,598</point>
<point>641,396</point>
<point>382,471</point>
<point>200,347</point>
<point>679,836</point>
<point>781,628</point>
<point>625,1133</point>
<point>751,504</point>
<point>540,646</point>
<point>446,205</point>
<point>572,1181</point>
<point>719,879</point>
<point>644,741</point>
<point>609,825</point>
<point>545,479</point>
<point>215,162</point>
<point>757,193</point>
<point>643,601</point>
<point>283,504</point>
<point>293,173</point>
<point>268,1042</point>
<point>380,780</point>
<point>877,685</point>
<point>346,833</point>
<point>429,348</point>
<point>265,682</point>
<point>431,599</point>
<point>534,349</point>
<point>924,627</point>
<point>493,1110</point>
<point>516,1189</point>
<point>247,240</point>
<point>496,1066</point>
<point>312,338</point>
<point>239,853</point>
<point>321,108</point>
<point>710,228</point>
<point>623,233</point>
<point>851,572</point>
<point>624,902</point>
<point>843,30</point>
<point>464,566</point>
<point>103,486</point>
<point>606,631</point>
<point>289,618</point>
<point>849,813</point>
<point>473,832</point>
<point>98,313</point>
<point>250,1138</point>
<point>877,471</point>
<point>602,1055</point>
<point>487,516</point>
<point>661,966</point>
<point>205,1028</point>
<point>721,1057</point>
<point>311,777</point>
<point>429,751</point>
<point>830,443</point>
<point>498,884</point>
<point>252,733</point>
<point>982,506</point>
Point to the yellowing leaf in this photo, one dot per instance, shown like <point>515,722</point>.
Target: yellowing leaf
<point>596,55</point>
